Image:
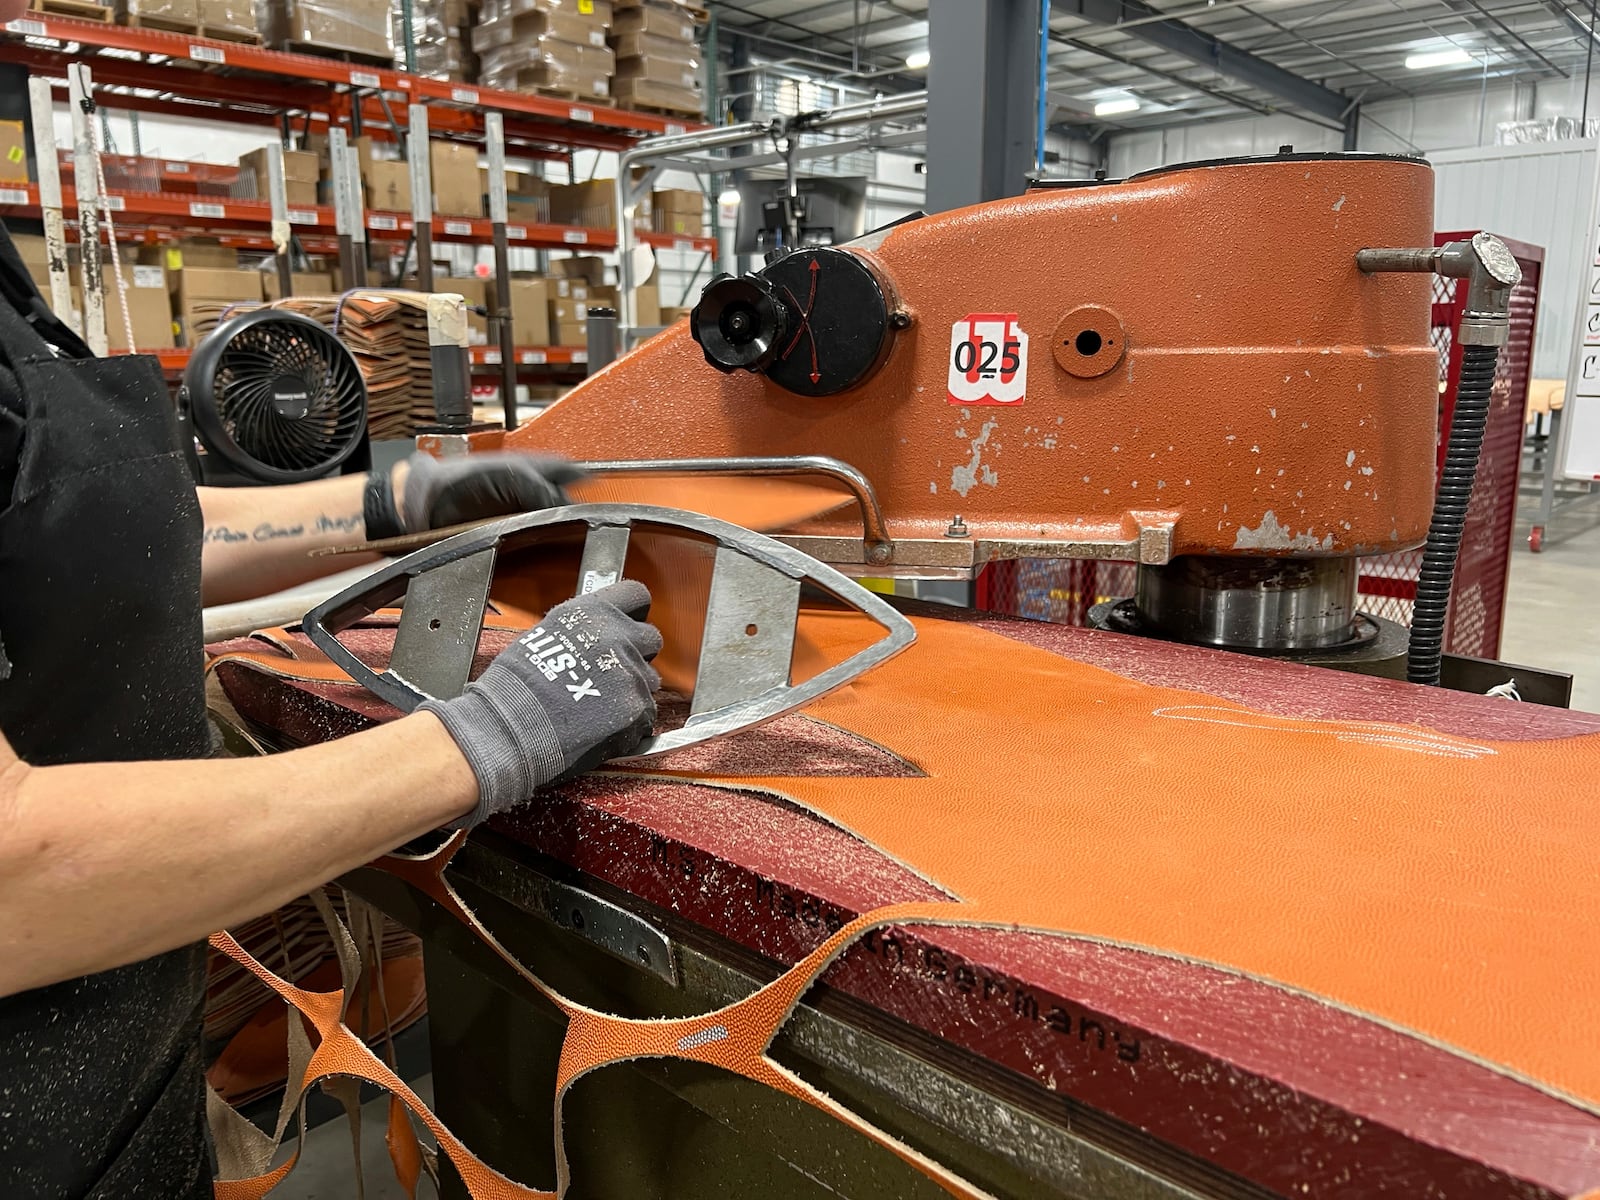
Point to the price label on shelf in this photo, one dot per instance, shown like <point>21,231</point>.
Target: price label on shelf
<point>576,237</point>
<point>492,357</point>
<point>467,95</point>
<point>683,244</point>
<point>27,28</point>
<point>302,216</point>
<point>517,233</point>
<point>364,79</point>
<point>114,203</point>
<point>674,127</point>
<point>381,222</point>
<point>580,356</point>
<point>13,195</point>
<point>178,168</point>
<point>210,54</point>
<point>458,228</point>
<point>213,211</point>
<point>580,114</point>
<point>531,358</point>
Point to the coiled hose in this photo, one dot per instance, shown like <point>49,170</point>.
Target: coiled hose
<point>1478,364</point>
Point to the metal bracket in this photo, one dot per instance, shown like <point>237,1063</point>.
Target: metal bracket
<point>749,629</point>
<point>601,923</point>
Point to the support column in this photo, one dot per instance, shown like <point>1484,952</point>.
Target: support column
<point>983,81</point>
<point>1352,127</point>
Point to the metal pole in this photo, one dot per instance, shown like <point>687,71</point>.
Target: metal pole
<point>409,30</point>
<point>278,194</point>
<point>49,170</point>
<point>1044,85</point>
<point>338,148</point>
<point>418,154</point>
<point>495,143</point>
<point>358,214</point>
<point>86,181</point>
<point>602,339</point>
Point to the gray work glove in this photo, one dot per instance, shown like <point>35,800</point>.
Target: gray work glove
<point>576,690</point>
<point>438,493</point>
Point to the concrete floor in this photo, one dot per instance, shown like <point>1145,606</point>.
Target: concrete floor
<point>1552,621</point>
<point>1552,617</point>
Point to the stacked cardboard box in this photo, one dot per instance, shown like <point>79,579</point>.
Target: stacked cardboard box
<point>441,35</point>
<point>475,291</point>
<point>301,171</point>
<point>200,296</point>
<point>231,20</point>
<point>658,61</point>
<point>679,211</point>
<point>546,46</point>
<point>349,27</point>
<point>304,283</point>
<point>13,152</point>
<point>160,14</point>
<point>591,205</point>
<point>529,313</point>
<point>527,197</point>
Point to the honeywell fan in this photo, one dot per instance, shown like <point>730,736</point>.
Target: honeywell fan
<point>273,397</point>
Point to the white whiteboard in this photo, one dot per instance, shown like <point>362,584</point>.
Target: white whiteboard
<point>1544,193</point>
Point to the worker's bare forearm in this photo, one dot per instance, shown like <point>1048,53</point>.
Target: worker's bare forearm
<point>107,863</point>
<point>259,540</point>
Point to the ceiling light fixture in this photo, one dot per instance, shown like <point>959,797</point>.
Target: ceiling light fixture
<point>729,198</point>
<point>918,60</point>
<point>1452,57</point>
<point>1120,104</point>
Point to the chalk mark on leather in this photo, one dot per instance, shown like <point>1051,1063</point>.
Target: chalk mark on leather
<point>1394,737</point>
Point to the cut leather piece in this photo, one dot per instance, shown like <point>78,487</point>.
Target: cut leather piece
<point>341,1053</point>
<point>931,691</point>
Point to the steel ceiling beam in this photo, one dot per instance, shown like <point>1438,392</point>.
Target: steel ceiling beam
<point>1579,27</point>
<point>1186,41</point>
<point>1472,10</point>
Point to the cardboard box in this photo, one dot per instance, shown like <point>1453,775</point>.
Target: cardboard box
<point>530,26</point>
<point>680,224</point>
<point>13,152</point>
<point>656,69</point>
<point>455,179</point>
<point>568,311</point>
<point>228,16</point>
<point>530,314</point>
<point>552,64</point>
<point>527,197</point>
<point>387,186</point>
<point>588,267</point>
<point>647,304</point>
<point>666,20</point>
<point>569,289</point>
<point>671,316</point>
<point>654,45</point>
<point>159,12</point>
<point>602,296</point>
<point>305,283</point>
<point>302,195</point>
<point>191,284</point>
<point>299,166</point>
<point>569,333</point>
<point>598,12</point>
<point>350,26</point>
<point>651,93</point>
<point>151,313</point>
<point>189,252</point>
<point>587,204</point>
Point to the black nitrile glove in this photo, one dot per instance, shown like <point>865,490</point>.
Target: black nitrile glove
<point>576,690</point>
<point>438,493</point>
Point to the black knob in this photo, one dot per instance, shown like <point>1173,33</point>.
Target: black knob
<point>740,323</point>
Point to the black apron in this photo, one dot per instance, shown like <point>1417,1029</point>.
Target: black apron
<point>101,1089</point>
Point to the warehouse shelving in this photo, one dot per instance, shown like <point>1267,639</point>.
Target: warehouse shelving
<point>485,359</point>
<point>178,74</point>
<point>154,210</point>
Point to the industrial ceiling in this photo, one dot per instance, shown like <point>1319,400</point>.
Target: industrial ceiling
<point>1189,60</point>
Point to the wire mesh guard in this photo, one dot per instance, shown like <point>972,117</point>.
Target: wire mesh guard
<point>1064,590</point>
